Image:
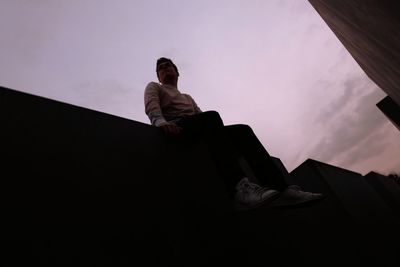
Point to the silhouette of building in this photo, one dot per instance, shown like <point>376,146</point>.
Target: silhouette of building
<point>391,109</point>
<point>387,188</point>
<point>369,30</point>
<point>346,190</point>
<point>364,208</point>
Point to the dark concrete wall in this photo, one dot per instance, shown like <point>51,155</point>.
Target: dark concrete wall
<point>84,186</point>
<point>352,205</point>
<point>387,188</point>
<point>309,177</point>
<point>81,187</point>
<point>369,30</point>
<point>356,196</point>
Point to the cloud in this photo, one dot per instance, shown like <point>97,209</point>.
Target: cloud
<point>379,152</point>
<point>353,126</point>
<point>341,102</point>
<point>371,146</point>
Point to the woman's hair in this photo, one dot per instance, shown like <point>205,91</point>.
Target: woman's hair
<point>164,59</point>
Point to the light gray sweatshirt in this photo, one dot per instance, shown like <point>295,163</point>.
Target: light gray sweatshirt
<point>165,103</point>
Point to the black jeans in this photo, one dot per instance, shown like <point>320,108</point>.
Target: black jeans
<point>227,144</point>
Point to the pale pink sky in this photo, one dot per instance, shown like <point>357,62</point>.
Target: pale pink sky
<point>274,65</point>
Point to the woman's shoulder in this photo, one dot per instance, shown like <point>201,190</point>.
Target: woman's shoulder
<point>153,86</point>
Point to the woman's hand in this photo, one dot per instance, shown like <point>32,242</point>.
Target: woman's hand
<point>171,129</point>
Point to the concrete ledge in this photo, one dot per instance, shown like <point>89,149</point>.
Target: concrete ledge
<point>84,187</point>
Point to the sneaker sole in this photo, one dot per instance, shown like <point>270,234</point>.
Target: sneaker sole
<point>299,204</point>
<point>274,196</point>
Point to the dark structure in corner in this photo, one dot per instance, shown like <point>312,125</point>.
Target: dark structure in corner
<point>391,109</point>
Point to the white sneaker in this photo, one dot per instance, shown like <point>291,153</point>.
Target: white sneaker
<point>250,195</point>
<point>293,196</point>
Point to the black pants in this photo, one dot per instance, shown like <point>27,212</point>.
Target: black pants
<point>227,144</point>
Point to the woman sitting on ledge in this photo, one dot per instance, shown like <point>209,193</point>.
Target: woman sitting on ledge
<point>178,114</point>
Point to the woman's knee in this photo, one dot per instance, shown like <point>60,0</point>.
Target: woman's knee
<point>239,130</point>
<point>245,128</point>
<point>213,116</point>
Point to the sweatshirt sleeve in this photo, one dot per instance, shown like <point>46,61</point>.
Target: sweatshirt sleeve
<point>195,106</point>
<point>152,105</point>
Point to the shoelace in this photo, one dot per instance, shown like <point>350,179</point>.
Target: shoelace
<point>255,188</point>
<point>295,187</point>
